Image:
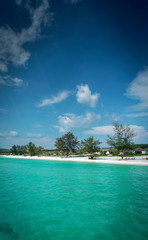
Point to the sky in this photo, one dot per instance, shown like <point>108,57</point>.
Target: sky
<point>72,65</point>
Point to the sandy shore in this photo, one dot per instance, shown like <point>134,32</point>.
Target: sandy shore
<point>110,160</point>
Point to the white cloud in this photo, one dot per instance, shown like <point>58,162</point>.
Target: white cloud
<point>10,134</point>
<point>34,135</point>
<point>13,133</point>
<point>71,121</point>
<point>8,81</point>
<point>54,99</point>
<point>85,96</point>
<point>113,116</point>
<point>138,90</point>
<point>12,49</point>
<point>103,130</point>
<point>134,115</point>
<point>141,133</point>
<point>17,81</point>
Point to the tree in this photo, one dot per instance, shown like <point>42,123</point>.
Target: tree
<point>38,150</point>
<point>90,145</point>
<point>18,150</point>
<point>23,149</point>
<point>13,150</point>
<point>31,148</point>
<point>122,139</point>
<point>67,143</point>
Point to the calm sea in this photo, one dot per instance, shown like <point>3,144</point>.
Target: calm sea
<point>51,200</point>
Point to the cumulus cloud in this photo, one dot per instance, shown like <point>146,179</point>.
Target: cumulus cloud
<point>85,96</point>
<point>71,121</point>
<point>10,134</point>
<point>54,99</point>
<point>103,130</point>
<point>138,90</point>
<point>141,133</point>
<point>12,50</point>
<point>134,115</point>
<point>34,135</point>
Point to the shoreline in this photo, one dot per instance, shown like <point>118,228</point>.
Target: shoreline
<point>141,160</point>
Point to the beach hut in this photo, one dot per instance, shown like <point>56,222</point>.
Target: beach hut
<point>144,151</point>
<point>137,150</point>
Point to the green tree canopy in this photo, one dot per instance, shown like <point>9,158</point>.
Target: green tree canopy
<point>13,150</point>
<point>90,145</point>
<point>123,137</point>
<point>38,150</point>
<point>67,143</point>
<point>31,148</point>
<point>18,150</point>
<point>143,146</point>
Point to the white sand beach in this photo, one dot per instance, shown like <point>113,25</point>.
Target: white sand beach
<point>138,160</point>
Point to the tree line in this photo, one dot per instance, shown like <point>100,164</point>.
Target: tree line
<point>69,143</point>
<point>121,141</point>
<point>30,149</point>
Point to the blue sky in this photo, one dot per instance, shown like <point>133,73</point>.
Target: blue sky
<point>73,65</point>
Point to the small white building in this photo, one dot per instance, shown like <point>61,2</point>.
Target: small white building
<point>107,151</point>
<point>98,153</point>
<point>144,151</point>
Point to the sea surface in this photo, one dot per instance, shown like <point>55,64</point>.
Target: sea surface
<point>52,200</point>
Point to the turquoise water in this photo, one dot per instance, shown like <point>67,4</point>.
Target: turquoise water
<point>54,200</point>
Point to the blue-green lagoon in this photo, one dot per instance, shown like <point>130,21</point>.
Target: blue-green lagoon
<point>55,200</point>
